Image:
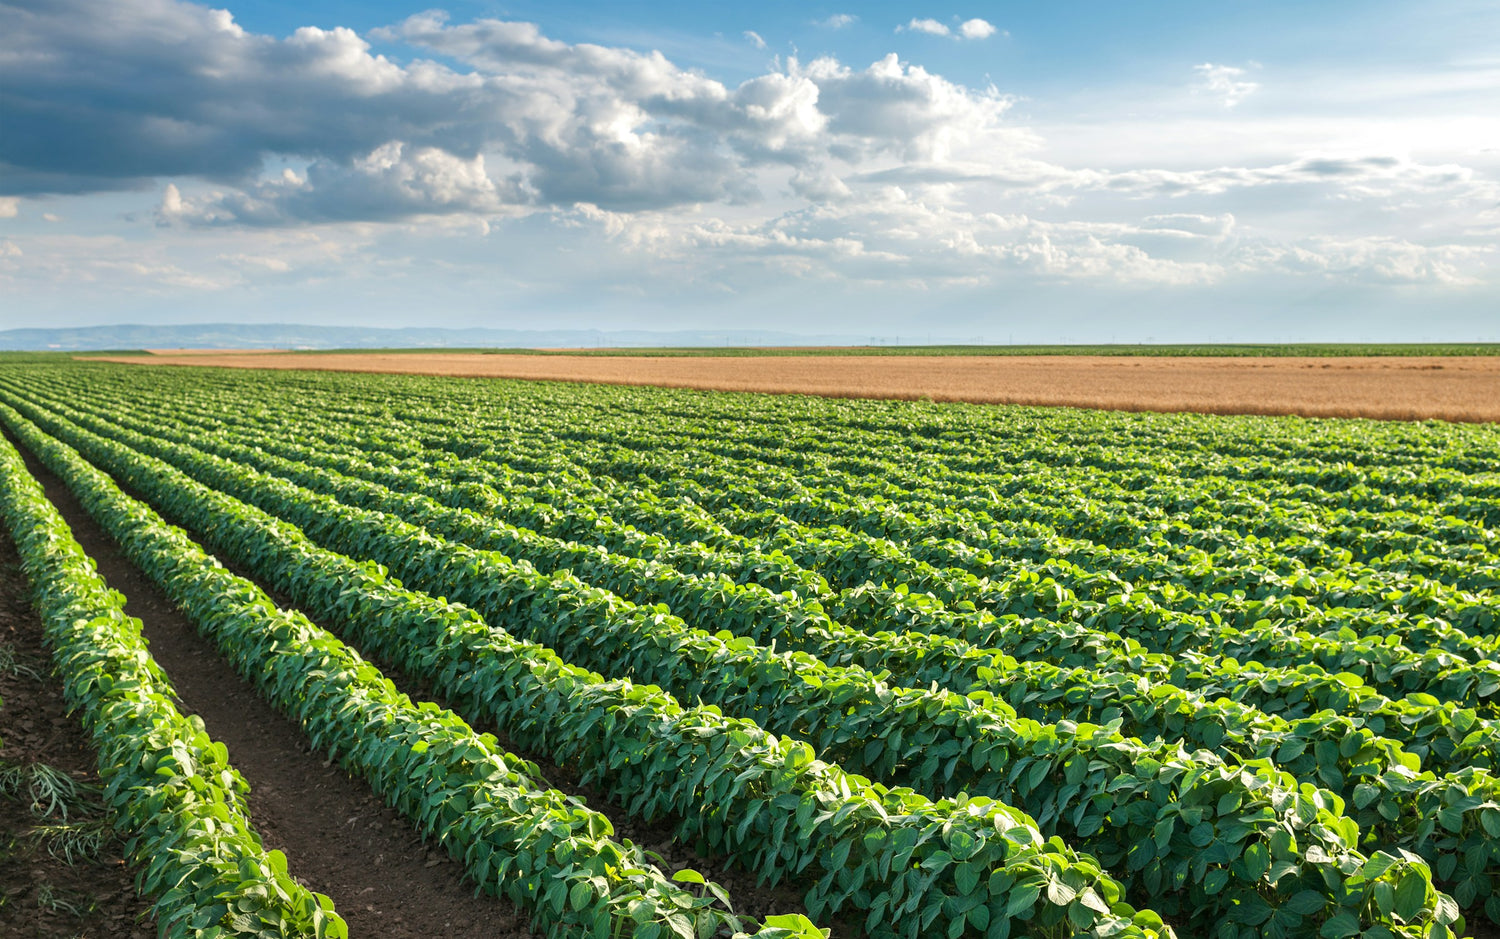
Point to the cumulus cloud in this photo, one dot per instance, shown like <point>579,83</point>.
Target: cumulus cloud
<point>112,96</point>
<point>893,237</point>
<point>1384,260</point>
<point>562,122</point>
<point>886,172</point>
<point>969,29</point>
<point>837,21</point>
<point>1342,177</point>
<point>929,26</point>
<point>1353,176</point>
<point>1226,82</point>
<point>116,264</point>
<point>754,38</point>
<point>391,182</point>
<point>1190,225</point>
<point>976,29</point>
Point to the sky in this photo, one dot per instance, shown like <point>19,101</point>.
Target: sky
<point>1063,172</point>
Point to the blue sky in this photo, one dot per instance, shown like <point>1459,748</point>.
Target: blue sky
<point>1029,172</point>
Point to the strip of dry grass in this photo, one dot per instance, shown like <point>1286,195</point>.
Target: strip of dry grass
<point>1455,388</point>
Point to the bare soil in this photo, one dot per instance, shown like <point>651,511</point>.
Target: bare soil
<point>211,351</point>
<point>1454,388</point>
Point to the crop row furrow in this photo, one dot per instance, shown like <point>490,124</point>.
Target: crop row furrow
<point>168,786</point>
<point>1444,736</point>
<point>730,783</point>
<point>1227,845</point>
<point>1030,487</point>
<point>544,851</point>
<point>1038,690</point>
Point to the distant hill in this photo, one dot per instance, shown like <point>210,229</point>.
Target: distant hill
<point>292,336</point>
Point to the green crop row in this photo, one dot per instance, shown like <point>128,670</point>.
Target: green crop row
<point>1149,546</point>
<point>972,541</point>
<point>1295,692</point>
<point>1430,632</point>
<point>1445,736</point>
<point>1056,460</point>
<point>1029,486</point>
<point>169,788</point>
<point>1038,690</point>
<point>1444,463</point>
<point>1394,806</point>
<point>1230,846</point>
<point>542,850</point>
<point>704,437</point>
<point>1261,643</point>
<point>732,785</point>
<point>849,558</point>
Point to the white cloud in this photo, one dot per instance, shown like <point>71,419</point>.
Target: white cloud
<point>117,264</point>
<point>1190,225</point>
<point>929,26</point>
<point>1227,82</point>
<point>1374,175</point>
<point>533,121</point>
<point>976,29</point>
<point>393,181</point>
<point>1370,177</point>
<point>916,237</point>
<point>257,262</point>
<point>884,174</point>
<point>902,109</point>
<point>837,21</point>
<point>969,29</point>
<point>754,39</point>
<point>1380,260</point>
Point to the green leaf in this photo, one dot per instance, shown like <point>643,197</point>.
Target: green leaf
<point>1257,860</point>
<point>1340,925</point>
<point>1411,895</point>
<point>580,895</point>
<point>1022,899</point>
<point>1059,893</point>
<point>1215,881</point>
<point>1305,902</point>
<point>967,876</point>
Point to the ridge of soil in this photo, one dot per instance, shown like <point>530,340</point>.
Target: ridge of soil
<point>1453,388</point>
<point>339,838</point>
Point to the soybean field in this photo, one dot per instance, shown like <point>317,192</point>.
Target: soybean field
<point>930,669</point>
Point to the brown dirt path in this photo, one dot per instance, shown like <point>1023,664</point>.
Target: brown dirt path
<point>1455,388</point>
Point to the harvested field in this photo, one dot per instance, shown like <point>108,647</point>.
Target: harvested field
<point>1455,388</point>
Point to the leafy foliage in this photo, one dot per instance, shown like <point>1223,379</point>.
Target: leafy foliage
<point>1248,664</point>
<point>170,789</point>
